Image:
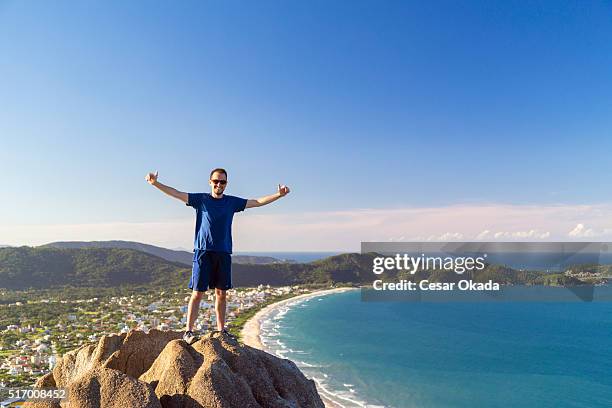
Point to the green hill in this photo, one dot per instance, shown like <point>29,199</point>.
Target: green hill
<point>48,267</point>
<point>44,267</point>
<point>184,257</point>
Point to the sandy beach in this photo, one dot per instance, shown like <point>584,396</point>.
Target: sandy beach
<point>251,331</point>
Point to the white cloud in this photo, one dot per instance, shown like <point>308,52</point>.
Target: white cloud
<point>483,235</point>
<point>531,234</point>
<point>447,236</point>
<point>345,230</point>
<point>580,231</point>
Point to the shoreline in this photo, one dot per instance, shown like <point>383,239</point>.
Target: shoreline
<point>251,331</point>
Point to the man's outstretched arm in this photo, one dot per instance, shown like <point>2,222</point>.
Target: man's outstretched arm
<point>282,191</point>
<point>172,192</point>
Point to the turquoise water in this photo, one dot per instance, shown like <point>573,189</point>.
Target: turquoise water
<point>449,354</point>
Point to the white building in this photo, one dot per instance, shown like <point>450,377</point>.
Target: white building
<point>42,348</point>
<point>52,361</point>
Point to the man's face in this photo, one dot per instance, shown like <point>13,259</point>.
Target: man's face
<point>217,182</point>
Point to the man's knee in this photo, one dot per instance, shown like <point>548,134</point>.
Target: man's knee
<point>220,293</point>
<point>196,295</point>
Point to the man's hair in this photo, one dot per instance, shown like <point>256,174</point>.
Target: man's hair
<point>217,170</point>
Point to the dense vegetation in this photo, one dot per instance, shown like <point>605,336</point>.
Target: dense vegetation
<point>47,267</point>
<point>172,255</point>
<point>52,268</point>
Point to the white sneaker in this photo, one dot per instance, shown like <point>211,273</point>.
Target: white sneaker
<point>190,338</point>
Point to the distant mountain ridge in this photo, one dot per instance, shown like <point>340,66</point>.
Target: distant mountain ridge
<point>184,257</point>
<point>46,267</point>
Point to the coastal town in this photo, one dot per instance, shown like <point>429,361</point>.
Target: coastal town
<point>28,351</point>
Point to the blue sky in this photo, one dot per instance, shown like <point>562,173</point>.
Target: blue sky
<point>358,106</point>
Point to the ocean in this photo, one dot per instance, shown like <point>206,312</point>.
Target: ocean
<point>301,257</point>
<point>515,354</point>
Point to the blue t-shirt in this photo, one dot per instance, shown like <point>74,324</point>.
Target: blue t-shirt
<point>213,230</point>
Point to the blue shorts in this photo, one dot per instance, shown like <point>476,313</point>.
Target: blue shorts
<point>211,270</point>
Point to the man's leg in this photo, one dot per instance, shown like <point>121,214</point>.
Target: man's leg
<point>220,305</point>
<point>193,308</point>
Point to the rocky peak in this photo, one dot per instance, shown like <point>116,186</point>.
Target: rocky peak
<point>158,369</point>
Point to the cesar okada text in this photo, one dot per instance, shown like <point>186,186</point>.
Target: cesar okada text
<point>411,264</point>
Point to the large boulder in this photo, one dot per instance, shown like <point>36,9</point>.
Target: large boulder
<point>102,387</point>
<point>105,387</point>
<point>139,350</point>
<point>158,369</point>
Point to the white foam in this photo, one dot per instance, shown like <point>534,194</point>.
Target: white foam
<point>342,398</point>
<point>334,396</point>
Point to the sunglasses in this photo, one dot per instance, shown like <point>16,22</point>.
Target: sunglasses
<point>222,182</point>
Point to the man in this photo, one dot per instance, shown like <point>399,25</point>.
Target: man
<point>212,261</point>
